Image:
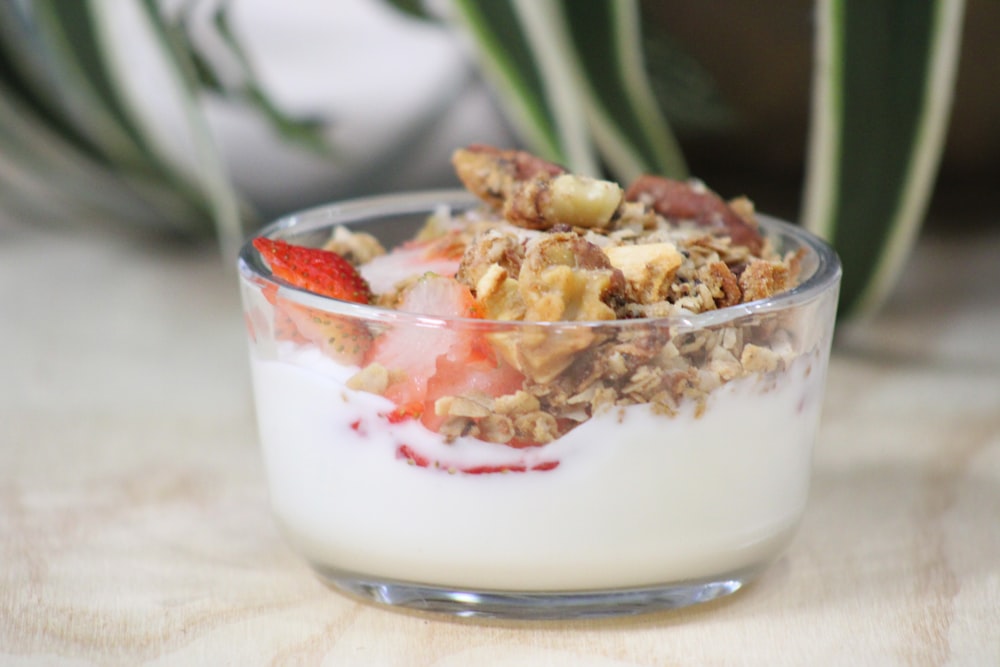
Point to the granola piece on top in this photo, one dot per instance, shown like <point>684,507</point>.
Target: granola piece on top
<point>493,247</point>
<point>691,200</point>
<point>649,269</point>
<point>567,199</point>
<point>564,277</point>
<point>536,194</point>
<point>491,173</point>
<point>762,278</point>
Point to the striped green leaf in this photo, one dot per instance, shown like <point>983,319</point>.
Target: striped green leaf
<point>55,179</point>
<point>625,120</point>
<point>571,73</point>
<point>89,135</point>
<point>61,69</point>
<point>241,83</point>
<point>414,8</point>
<point>883,86</point>
<point>507,56</point>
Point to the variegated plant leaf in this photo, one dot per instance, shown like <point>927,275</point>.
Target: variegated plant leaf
<point>61,70</point>
<point>573,77</point>
<point>628,125</point>
<point>507,55</point>
<point>414,8</point>
<point>883,85</point>
<point>240,82</point>
<point>207,168</point>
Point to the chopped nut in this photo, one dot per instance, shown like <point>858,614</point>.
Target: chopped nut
<point>542,354</point>
<point>567,199</point>
<point>373,378</point>
<point>723,285</point>
<point>491,173</point>
<point>496,428</point>
<point>564,277</point>
<point>499,295</point>
<point>762,278</point>
<point>539,427</point>
<point>459,406</point>
<point>756,359</point>
<point>648,268</point>
<point>561,294</point>
<point>493,248</point>
<point>458,427</point>
<point>356,247</point>
<point>518,402</point>
<point>722,362</point>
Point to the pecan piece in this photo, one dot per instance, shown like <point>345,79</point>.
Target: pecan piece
<point>491,173</point>
<point>683,200</point>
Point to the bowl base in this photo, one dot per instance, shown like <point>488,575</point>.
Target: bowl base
<point>537,605</point>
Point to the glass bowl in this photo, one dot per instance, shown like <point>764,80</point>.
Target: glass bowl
<point>661,503</point>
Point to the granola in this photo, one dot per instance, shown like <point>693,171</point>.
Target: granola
<point>549,246</point>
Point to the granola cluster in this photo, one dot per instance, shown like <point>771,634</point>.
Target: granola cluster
<point>552,247</point>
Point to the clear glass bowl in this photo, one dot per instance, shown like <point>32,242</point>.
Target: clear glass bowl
<point>642,507</point>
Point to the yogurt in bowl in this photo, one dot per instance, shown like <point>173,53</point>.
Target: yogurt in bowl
<point>551,398</point>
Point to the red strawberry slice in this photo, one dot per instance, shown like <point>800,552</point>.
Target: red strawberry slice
<point>436,361</point>
<point>412,457</point>
<point>319,271</point>
<point>282,325</point>
<point>441,255</point>
<point>343,339</point>
<point>411,351</point>
<point>439,296</point>
<point>326,273</point>
<point>469,376</point>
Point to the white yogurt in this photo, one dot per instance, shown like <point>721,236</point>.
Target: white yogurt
<point>637,499</point>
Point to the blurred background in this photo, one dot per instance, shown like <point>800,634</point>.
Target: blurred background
<point>340,99</point>
<point>765,84</point>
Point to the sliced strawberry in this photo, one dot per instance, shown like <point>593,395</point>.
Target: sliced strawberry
<point>439,296</point>
<point>326,273</point>
<point>490,376</point>
<point>483,376</point>
<point>319,271</point>
<point>433,362</point>
<point>285,328</point>
<point>411,456</point>
<point>343,339</point>
<point>411,351</point>
<point>441,256</point>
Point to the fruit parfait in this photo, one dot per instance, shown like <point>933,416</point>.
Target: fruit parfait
<point>543,396</point>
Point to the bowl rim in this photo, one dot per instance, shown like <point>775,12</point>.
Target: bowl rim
<point>824,279</point>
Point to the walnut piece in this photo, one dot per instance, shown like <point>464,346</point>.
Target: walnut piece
<point>648,269</point>
<point>373,378</point>
<point>567,199</point>
<point>498,295</point>
<point>486,250</point>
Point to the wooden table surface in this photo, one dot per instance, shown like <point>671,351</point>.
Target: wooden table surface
<point>134,523</point>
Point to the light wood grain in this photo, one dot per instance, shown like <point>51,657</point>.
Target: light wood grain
<point>134,526</point>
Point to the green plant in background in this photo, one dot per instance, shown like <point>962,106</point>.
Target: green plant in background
<point>66,122</point>
<point>575,77</point>
<point>884,82</point>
